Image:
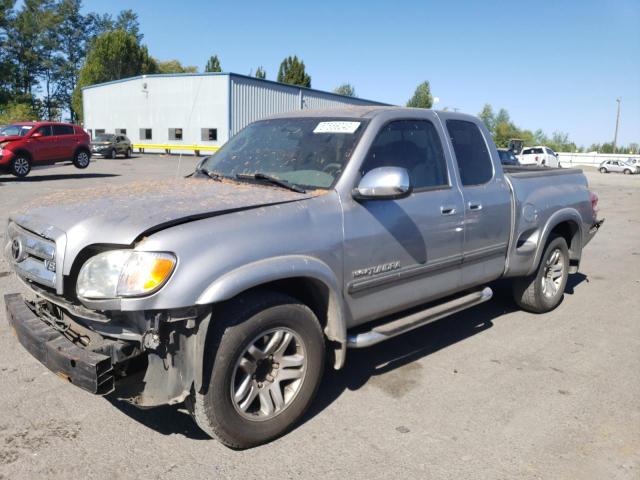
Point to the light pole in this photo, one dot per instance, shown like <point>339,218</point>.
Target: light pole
<point>615,135</point>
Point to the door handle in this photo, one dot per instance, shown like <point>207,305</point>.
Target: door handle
<point>475,206</point>
<point>447,210</point>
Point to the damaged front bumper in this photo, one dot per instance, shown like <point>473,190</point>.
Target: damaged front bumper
<point>89,370</point>
<point>144,373</point>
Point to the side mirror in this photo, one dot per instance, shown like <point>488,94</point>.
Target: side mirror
<point>37,135</point>
<point>383,183</point>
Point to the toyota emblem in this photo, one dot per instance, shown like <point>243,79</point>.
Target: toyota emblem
<point>17,250</point>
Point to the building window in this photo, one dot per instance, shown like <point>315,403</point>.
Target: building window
<point>100,131</point>
<point>175,134</point>
<point>121,131</point>
<point>145,134</point>
<point>209,134</point>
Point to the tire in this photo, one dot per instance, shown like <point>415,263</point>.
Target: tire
<point>81,159</point>
<point>113,154</point>
<point>127,154</point>
<point>627,171</point>
<point>603,170</point>
<point>543,291</point>
<point>20,165</point>
<point>245,404</point>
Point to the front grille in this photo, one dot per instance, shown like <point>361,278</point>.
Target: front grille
<point>34,258</point>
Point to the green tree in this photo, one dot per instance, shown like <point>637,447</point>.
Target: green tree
<point>260,73</point>
<point>17,112</point>
<point>127,20</point>
<point>174,66</point>
<point>422,97</point>
<point>213,64</point>
<point>112,56</point>
<point>293,71</point>
<point>346,89</point>
<point>488,117</point>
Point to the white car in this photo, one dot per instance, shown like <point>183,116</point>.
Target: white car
<point>618,166</point>
<point>539,155</point>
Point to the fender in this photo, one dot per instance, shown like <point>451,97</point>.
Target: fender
<point>280,268</point>
<point>563,215</point>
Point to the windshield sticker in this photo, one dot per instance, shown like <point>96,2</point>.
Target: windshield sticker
<point>336,127</point>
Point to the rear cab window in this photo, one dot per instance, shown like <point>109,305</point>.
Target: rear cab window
<point>471,151</point>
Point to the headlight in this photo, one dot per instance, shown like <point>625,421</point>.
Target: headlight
<point>124,273</point>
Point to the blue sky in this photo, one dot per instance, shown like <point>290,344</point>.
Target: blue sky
<point>555,65</point>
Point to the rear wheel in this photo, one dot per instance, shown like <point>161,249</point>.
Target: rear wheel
<point>603,170</point>
<point>112,154</point>
<point>543,291</point>
<point>128,153</point>
<point>81,159</point>
<point>21,166</point>
<point>266,370</point>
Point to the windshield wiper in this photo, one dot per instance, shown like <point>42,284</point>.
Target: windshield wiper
<point>272,180</point>
<point>210,173</point>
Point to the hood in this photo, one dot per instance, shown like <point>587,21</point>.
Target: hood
<point>121,214</point>
<point>10,138</point>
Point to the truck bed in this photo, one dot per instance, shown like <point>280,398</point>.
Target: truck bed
<point>537,171</point>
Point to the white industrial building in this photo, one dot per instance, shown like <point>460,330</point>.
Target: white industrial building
<point>165,112</point>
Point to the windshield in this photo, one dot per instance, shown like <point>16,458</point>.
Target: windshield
<point>309,152</point>
<point>19,130</point>
<point>103,138</point>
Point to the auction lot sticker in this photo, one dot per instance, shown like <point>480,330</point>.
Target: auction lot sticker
<point>336,127</point>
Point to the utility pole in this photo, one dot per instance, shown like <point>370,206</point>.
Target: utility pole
<point>615,135</point>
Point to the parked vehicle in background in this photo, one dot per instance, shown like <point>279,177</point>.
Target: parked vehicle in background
<point>540,155</point>
<point>507,157</point>
<point>618,166</point>
<point>307,234</point>
<point>109,145</point>
<point>633,161</point>
<point>30,144</point>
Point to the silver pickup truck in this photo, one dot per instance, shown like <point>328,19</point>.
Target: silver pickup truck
<point>306,235</point>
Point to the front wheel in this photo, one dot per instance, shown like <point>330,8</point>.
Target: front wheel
<point>81,159</point>
<point>21,166</point>
<point>603,170</point>
<point>265,373</point>
<point>627,171</point>
<point>543,291</point>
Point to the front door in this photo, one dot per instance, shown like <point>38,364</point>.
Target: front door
<point>487,202</point>
<point>43,148</point>
<point>403,252</point>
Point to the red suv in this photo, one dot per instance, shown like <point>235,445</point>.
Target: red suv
<point>27,144</point>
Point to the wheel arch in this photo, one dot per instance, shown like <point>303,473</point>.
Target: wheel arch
<point>567,224</point>
<point>305,278</point>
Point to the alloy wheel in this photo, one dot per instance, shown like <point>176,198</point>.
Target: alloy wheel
<point>268,374</point>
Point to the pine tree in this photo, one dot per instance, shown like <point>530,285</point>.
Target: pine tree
<point>292,71</point>
<point>213,64</point>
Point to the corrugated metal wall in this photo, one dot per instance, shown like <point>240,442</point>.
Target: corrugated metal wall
<point>253,99</point>
<point>324,100</point>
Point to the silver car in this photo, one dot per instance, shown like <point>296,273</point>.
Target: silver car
<point>618,166</point>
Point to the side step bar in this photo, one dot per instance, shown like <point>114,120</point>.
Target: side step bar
<point>402,325</point>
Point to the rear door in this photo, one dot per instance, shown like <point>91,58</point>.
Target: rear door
<point>65,141</point>
<point>487,203</point>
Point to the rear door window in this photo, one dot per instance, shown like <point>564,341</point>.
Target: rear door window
<point>62,130</point>
<point>472,154</point>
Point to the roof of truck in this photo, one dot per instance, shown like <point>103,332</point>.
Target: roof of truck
<point>364,111</point>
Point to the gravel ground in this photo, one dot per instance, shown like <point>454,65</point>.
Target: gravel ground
<point>490,393</point>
